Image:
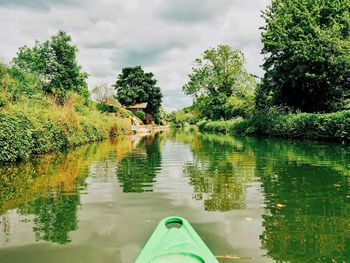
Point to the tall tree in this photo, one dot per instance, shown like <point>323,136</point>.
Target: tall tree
<point>307,49</point>
<point>217,77</point>
<point>54,61</point>
<point>134,85</point>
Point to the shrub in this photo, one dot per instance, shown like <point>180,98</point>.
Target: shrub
<point>140,114</point>
<point>16,140</point>
<point>17,83</point>
<point>276,123</point>
<point>124,113</point>
<point>201,124</point>
<point>4,101</point>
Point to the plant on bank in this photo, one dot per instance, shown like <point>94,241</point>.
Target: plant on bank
<point>333,126</point>
<point>27,128</point>
<point>140,114</point>
<point>188,115</point>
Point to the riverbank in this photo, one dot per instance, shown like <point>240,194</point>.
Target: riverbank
<point>34,122</point>
<point>331,126</point>
<point>26,131</point>
<point>28,128</point>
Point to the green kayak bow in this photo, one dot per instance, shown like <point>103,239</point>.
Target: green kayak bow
<point>175,241</point>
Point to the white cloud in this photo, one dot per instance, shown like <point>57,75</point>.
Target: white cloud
<point>162,36</point>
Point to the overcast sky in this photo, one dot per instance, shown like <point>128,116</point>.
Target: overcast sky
<point>164,36</point>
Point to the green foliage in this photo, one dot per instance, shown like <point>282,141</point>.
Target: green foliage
<point>102,107</point>
<point>124,113</point>
<point>31,123</point>
<point>23,133</point>
<point>136,86</point>
<point>332,126</point>
<point>3,101</point>
<point>221,85</point>
<point>54,61</point>
<point>219,126</point>
<point>185,116</point>
<point>140,114</point>
<point>307,49</point>
<point>163,117</point>
<point>15,83</point>
<point>243,106</point>
<point>15,137</point>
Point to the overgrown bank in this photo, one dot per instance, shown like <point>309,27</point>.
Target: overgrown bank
<point>31,121</point>
<point>37,131</point>
<point>331,126</point>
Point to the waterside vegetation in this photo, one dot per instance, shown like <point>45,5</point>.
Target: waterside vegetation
<point>45,104</point>
<point>331,126</point>
<point>304,92</point>
<point>31,122</point>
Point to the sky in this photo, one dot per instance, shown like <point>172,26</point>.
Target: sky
<point>163,36</point>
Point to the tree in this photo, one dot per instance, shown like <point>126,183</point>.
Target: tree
<point>103,92</point>
<point>135,86</point>
<point>217,76</point>
<point>307,49</point>
<point>54,61</point>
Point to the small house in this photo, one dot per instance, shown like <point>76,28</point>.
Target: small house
<point>141,107</point>
<point>137,107</point>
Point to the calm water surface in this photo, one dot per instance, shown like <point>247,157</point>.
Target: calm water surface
<point>263,200</point>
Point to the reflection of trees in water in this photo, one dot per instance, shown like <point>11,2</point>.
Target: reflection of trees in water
<point>55,216</point>
<point>48,188</point>
<point>220,172</point>
<point>310,178</point>
<point>314,224</point>
<point>137,170</point>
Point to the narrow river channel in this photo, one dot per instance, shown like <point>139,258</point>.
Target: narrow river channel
<point>262,200</point>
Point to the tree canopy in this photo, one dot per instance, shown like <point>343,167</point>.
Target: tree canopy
<point>54,61</point>
<point>307,49</point>
<point>219,82</point>
<point>134,85</point>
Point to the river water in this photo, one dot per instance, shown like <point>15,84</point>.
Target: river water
<point>258,199</point>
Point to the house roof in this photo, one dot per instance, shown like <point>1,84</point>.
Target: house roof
<point>138,106</point>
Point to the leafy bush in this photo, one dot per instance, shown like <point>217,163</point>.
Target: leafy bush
<point>15,137</point>
<point>219,126</point>
<point>4,101</point>
<point>124,113</point>
<point>15,83</point>
<point>184,116</point>
<point>140,114</point>
<point>201,124</point>
<point>102,107</point>
<point>276,123</point>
